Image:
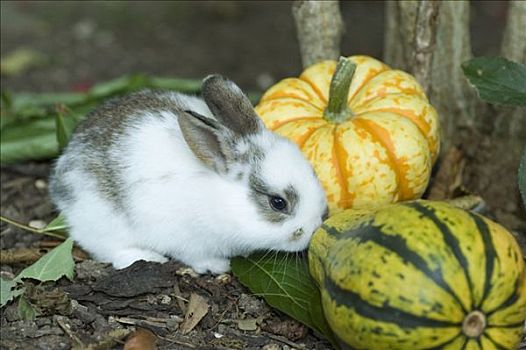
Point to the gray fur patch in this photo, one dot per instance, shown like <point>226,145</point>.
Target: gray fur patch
<point>261,193</point>
<point>292,197</point>
<point>230,106</point>
<point>60,191</point>
<point>249,158</point>
<point>99,133</point>
<point>202,135</point>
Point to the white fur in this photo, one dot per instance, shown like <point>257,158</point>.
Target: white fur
<point>177,207</point>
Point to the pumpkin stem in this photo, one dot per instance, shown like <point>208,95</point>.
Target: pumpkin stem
<point>337,109</point>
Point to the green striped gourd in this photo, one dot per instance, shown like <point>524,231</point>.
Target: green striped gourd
<point>420,275</point>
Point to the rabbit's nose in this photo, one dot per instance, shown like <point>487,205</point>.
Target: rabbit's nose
<point>297,234</point>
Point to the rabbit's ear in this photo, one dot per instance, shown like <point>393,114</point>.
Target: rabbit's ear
<point>207,139</point>
<point>230,106</point>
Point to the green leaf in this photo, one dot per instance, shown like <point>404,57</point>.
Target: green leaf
<point>55,264</point>
<point>34,139</point>
<point>30,126</point>
<point>64,124</point>
<point>23,100</point>
<point>34,136</point>
<point>133,82</point>
<point>8,291</point>
<point>497,80</point>
<point>6,99</point>
<point>285,283</point>
<point>189,86</point>
<point>57,224</point>
<point>119,85</point>
<point>26,310</point>
<point>522,176</point>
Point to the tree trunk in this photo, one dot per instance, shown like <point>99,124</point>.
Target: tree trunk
<point>320,27</point>
<point>512,121</point>
<point>492,138</point>
<point>514,43</point>
<point>407,22</point>
<point>502,137</point>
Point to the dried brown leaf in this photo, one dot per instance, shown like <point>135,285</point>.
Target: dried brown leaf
<point>290,329</point>
<point>449,176</point>
<point>196,310</point>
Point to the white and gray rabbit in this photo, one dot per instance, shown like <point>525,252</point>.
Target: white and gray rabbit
<point>161,174</point>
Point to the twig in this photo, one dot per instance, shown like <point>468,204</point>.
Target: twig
<point>67,329</point>
<point>179,298</point>
<point>179,342</point>
<point>141,322</point>
<point>30,255</point>
<point>221,317</point>
<point>319,27</point>
<point>12,256</point>
<point>31,229</point>
<point>285,341</point>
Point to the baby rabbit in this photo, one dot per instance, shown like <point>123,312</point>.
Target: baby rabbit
<point>156,174</point>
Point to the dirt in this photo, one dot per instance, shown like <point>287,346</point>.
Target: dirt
<point>103,306</point>
<point>82,43</point>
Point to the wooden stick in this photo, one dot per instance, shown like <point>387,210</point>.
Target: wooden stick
<point>319,28</point>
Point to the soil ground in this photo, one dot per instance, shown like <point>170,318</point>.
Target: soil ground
<point>87,42</point>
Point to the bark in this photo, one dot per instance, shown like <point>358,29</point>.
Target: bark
<point>511,122</point>
<point>514,42</point>
<point>502,135</point>
<point>430,40</point>
<point>425,39</point>
<point>491,137</point>
<point>319,27</point>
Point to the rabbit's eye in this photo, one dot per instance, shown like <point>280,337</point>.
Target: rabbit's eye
<point>277,203</point>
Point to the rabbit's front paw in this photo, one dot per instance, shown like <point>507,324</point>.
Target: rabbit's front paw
<point>214,265</point>
<point>125,257</point>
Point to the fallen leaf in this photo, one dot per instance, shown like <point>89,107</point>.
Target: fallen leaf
<point>284,281</point>
<point>249,324</point>
<point>26,310</point>
<point>449,175</point>
<point>141,339</point>
<point>50,302</point>
<point>290,329</point>
<point>8,292</point>
<point>52,266</point>
<point>196,310</point>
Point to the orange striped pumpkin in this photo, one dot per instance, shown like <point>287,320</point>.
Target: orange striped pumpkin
<point>369,132</point>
